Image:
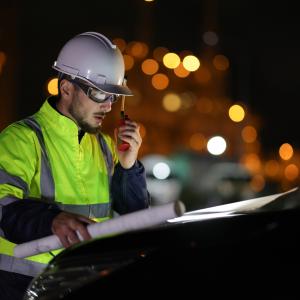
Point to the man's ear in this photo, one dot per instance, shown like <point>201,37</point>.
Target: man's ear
<point>66,88</point>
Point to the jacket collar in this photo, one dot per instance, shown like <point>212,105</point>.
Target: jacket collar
<point>52,118</point>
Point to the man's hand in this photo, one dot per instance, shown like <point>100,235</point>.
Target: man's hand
<point>66,224</point>
<point>129,133</point>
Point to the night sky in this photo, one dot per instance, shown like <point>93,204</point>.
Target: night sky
<point>261,41</point>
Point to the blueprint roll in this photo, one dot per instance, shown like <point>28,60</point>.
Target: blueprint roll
<point>129,222</point>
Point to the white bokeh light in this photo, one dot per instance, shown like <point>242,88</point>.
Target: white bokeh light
<point>216,145</point>
<point>161,170</point>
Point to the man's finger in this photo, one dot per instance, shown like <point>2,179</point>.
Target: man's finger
<point>84,233</point>
<point>73,238</point>
<point>64,240</point>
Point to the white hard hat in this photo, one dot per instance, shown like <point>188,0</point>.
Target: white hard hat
<point>91,57</point>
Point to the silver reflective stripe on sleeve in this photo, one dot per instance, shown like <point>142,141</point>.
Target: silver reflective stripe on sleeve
<point>6,178</point>
<point>7,200</point>
<point>101,210</point>
<point>47,181</point>
<point>20,266</point>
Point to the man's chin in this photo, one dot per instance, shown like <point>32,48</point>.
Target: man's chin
<point>95,129</point>
<point>91,129</point>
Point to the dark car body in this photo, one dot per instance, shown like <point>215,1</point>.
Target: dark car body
<point>237,256</point>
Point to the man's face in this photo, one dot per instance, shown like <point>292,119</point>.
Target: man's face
<point>88,114</point>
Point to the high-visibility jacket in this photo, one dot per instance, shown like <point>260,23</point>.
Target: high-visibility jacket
<point>42,162</point>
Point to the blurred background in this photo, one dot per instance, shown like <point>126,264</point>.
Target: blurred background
<point>216,84</point>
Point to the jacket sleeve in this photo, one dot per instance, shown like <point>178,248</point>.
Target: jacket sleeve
<point>21,219</point>
<point>26,220</point>
<point>129,189</point>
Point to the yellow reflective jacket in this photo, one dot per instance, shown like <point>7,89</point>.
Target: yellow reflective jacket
<point>79,174</point>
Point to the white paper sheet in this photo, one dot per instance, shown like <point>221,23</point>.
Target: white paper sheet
<point>228,209</point>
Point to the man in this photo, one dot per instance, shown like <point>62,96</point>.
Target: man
<point>58,172</point>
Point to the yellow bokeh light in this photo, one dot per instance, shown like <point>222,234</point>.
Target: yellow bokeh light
<point>160,81</point>
<point>191,63</point>
<point>171,60</point>
<point>138,49</point>
<point>221,62</point>
<point>286,151</point>
<point>128,62</point>
<point>52,86</point>
<point>249,134</point>
<point>120,43</point>
<point>236,113</point>
<point>171,102</point>
<point>150,66</point>
<point>181,72</point>
<point>291,172</point>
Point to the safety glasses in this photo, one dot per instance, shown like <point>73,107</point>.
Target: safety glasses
<point>95,94</point>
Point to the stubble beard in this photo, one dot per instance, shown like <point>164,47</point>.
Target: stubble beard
<point>85,126</point>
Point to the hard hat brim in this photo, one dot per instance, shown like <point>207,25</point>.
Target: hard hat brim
<point>106,88</point>
<point>113,89</point>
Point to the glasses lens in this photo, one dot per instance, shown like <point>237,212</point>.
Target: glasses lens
<point>99,96</point>
<point>95,94</point>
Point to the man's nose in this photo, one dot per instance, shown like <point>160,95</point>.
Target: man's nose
<point>106,106</point>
